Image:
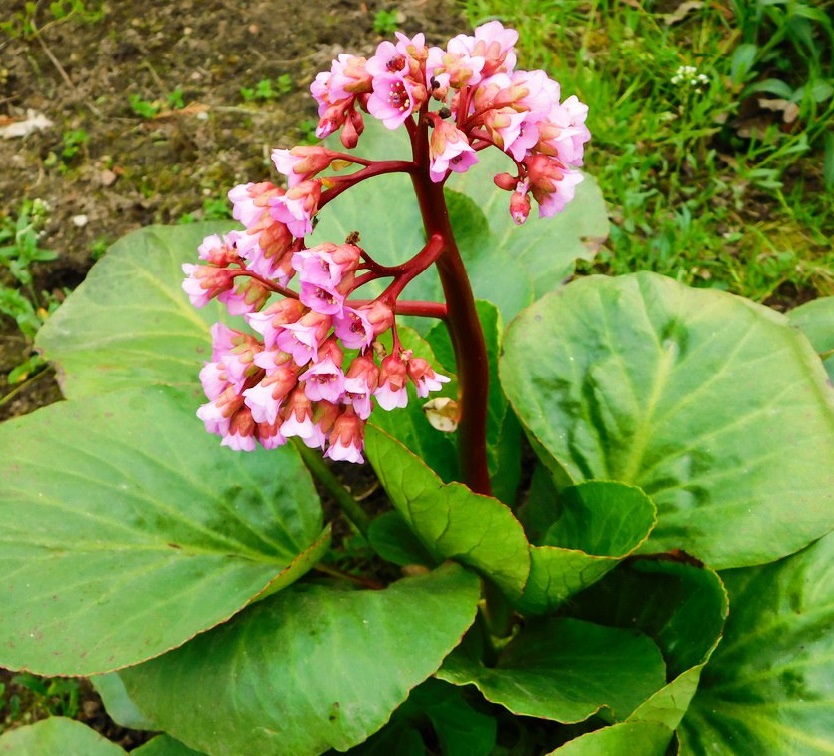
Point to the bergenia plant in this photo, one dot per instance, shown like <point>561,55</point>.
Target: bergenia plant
<point>320,363</point>
<point>601,528</point>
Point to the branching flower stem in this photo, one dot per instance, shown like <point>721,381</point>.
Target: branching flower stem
<point>462,321</point>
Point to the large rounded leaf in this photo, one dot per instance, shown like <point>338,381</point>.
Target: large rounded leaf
<point>130,323</point>
<point>769,687</point>
<point>311,668</point>
<point>714,406</point>
<point>126,529</point>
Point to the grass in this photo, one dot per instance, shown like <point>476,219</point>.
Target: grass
<point>713,133</point>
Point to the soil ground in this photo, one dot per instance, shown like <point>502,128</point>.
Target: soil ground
<point>188,60</point>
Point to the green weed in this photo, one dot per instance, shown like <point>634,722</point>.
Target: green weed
<point>268,89</point>
<point>28,698</point>
<point>22,23</point>
<point>19,250</point>
<point>386,22</point>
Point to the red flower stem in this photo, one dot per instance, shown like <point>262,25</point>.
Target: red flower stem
<point>415,307</point>
<point>462,321</point>
<point>376,168</point>
<point>278,289</point>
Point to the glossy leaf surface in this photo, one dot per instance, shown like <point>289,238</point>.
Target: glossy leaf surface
<point>600,523</point>
<point>451,521</point>
<point>126,529</point>
<point>57,735</point>
<point>816,320</point>
<point>717,408</point>
<point>565,670</point>
<point>314,666</point>
<point>130,323</point>
<point>769,687</point>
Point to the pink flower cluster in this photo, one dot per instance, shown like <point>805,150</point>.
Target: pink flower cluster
<point>482,100</point>
<point>293,379</point>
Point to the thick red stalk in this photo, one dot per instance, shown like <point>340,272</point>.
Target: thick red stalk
<point>462,321</point>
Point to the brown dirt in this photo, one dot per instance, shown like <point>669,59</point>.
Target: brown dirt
<point>132,171</point>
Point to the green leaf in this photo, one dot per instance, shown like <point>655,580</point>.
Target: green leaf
<point>621,739</point>
<point>57,735</point>
<point>126,529</point>
<point>816,320</point>
<point>118,704</point>
<point>669,704</point>
<point>164,745</point>
<point>681,606</point>
<point>392,538</point>
<point>451,521</point>
<point>460,729</point>
<point>565,670</point>
<point>314,666</point>
<point>600,523</point>
<point>769,687</point>
<point>712,405</point>
<point>543,249</point>
<point>130,323</point>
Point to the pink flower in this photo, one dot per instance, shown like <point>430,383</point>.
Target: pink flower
<point>520,204</point>
<point>360,382</point>
<point>323,381</point>
<point>347,78</point>
<point>564,134</point>
<point>327,264</point>
<point>269,435</point>
<point>240,435</point>
<point>390,392</point>
<point>423,377</point>
<point>493,43</point>
<point>248,296</point>
<point>213,379</point>
<point>449,149</point>
<point>268,322</point>
<point>220,251</point>
<point>336,91</point>
<point>297,207</point>
<point>298,420</point>
<point>303,338</point>
<point>249,200</point>
<point>394,99</point>
<point>266,396</point>
<point>347,438</point>
<point>353,328</point>
<point>216,414</point>
<point>303,162</point>
<point>204,282</point>
<point>555,201</point>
